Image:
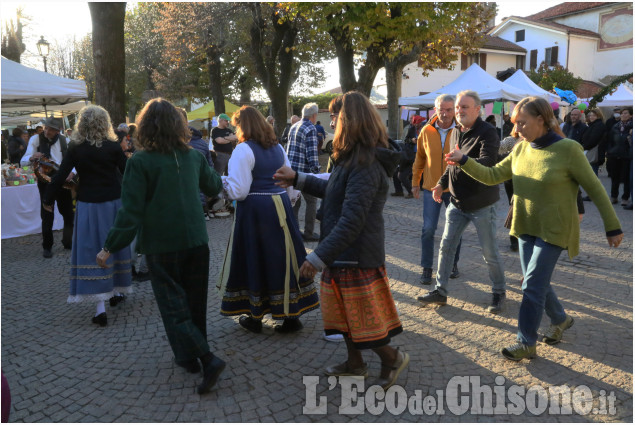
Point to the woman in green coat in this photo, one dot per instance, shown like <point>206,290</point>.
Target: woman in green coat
<point>161,207</point>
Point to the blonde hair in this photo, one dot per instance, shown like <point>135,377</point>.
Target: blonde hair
<point>538,107</point>
<point>597,113</point>
<point>94,126</point>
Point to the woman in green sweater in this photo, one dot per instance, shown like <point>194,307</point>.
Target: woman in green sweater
<point>546,170</point>
<point>161,206</point>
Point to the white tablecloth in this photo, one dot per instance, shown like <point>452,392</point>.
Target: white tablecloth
<point>21,212</point>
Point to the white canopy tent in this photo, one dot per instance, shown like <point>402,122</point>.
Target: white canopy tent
<point>474,78</point>
<point>27,87</point>
<point>623,96</point>
<point>23,114</point>
<point>521,81</point>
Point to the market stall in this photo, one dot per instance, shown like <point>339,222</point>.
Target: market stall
<point>21,211</point>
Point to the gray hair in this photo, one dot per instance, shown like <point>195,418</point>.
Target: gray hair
<point>309,110</point>
<point>443,98</point>
<point>472,94</point>
<point>93,126</point>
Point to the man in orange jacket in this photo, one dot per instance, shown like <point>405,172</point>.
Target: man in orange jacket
<point>430,163</point>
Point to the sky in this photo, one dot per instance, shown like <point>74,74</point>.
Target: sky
<point>61,21</point>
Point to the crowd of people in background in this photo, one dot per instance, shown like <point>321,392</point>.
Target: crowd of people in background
<point>146,190</point>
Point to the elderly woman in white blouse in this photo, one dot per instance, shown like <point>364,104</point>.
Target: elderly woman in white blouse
<point>260,273</point>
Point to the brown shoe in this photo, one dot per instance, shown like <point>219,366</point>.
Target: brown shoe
<point>400,364</point>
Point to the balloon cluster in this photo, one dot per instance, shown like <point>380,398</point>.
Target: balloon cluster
<point>583,105</point>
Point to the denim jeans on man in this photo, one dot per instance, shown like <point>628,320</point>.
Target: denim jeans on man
<point>431,211</point>
<point>456,221</point>
<point>538,260</point>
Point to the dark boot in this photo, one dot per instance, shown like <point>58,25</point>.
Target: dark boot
<point>67,237</point>
<point>212,368</point>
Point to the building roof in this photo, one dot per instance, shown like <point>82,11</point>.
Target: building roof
<point>552,25</point>
<point>496,43</point>
<point>568,8</point>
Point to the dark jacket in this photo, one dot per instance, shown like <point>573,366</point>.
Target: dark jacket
<point>595,136</point>
<point>285,135</point>
<point>481,143</point>
<point>352,225</point>
<point>618,145</point>
<point>201,145</point>
<point>13,148</point>
<point>97,169</point>
<point>574,132</point>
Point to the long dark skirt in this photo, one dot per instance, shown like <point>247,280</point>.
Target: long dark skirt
<point>259,261</point>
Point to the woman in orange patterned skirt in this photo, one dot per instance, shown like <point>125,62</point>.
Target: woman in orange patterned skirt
<point>355,295</point>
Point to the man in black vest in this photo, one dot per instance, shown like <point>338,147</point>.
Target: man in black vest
<point>53,145</point>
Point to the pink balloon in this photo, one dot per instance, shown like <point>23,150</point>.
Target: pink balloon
<point>555,106</point>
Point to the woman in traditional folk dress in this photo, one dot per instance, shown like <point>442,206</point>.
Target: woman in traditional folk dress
<point>97,157</point>
<point>355,293</point>
<point>261,270</point>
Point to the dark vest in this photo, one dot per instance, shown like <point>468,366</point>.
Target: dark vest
<point>45,145</point>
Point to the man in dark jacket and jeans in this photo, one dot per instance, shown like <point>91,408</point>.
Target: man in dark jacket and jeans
<point>471,201</point>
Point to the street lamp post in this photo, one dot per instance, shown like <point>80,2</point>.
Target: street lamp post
<point>43,50</point>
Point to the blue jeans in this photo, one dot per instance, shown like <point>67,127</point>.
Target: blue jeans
<point>431,211</point>
<point>455,223</point>
<point>538,260</point>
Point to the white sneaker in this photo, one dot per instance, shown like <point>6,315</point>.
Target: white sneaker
<point>334,337</point>
<point>206,217</point>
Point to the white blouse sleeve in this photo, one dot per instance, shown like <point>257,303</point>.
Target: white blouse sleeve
<point>34,143</point>
<point>239,179</point>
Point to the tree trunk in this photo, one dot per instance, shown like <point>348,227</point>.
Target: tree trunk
<point>109,57</point>
<point>273,62</point>
<point>345,61</point>
<point>394,69</point>
<point>215,82</point>
<point>245,89</point>
<point>393,85</point>
<point>279,112</point>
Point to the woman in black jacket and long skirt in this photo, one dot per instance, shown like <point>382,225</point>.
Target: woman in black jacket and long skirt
<point>355,295</point>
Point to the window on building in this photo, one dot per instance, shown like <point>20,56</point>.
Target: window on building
<point>476,58</point>
<point>520,35</point>
<point>533,59</point>
<point>520,62</point>
<point>551,56</point>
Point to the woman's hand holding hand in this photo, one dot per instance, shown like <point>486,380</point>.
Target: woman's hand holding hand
<point>102,257</point>
<point>307,270</point>
<point>453,157</point>
<point>615,241</point>
<point>285,176</point>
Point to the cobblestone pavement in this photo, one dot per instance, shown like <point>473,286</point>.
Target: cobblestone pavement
<point>62,368</point>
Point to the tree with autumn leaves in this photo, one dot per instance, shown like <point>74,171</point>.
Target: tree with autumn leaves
<point>391,35</point>
<point>216,50</point>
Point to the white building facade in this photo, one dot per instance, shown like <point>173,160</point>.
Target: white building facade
<point>592,40</point>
